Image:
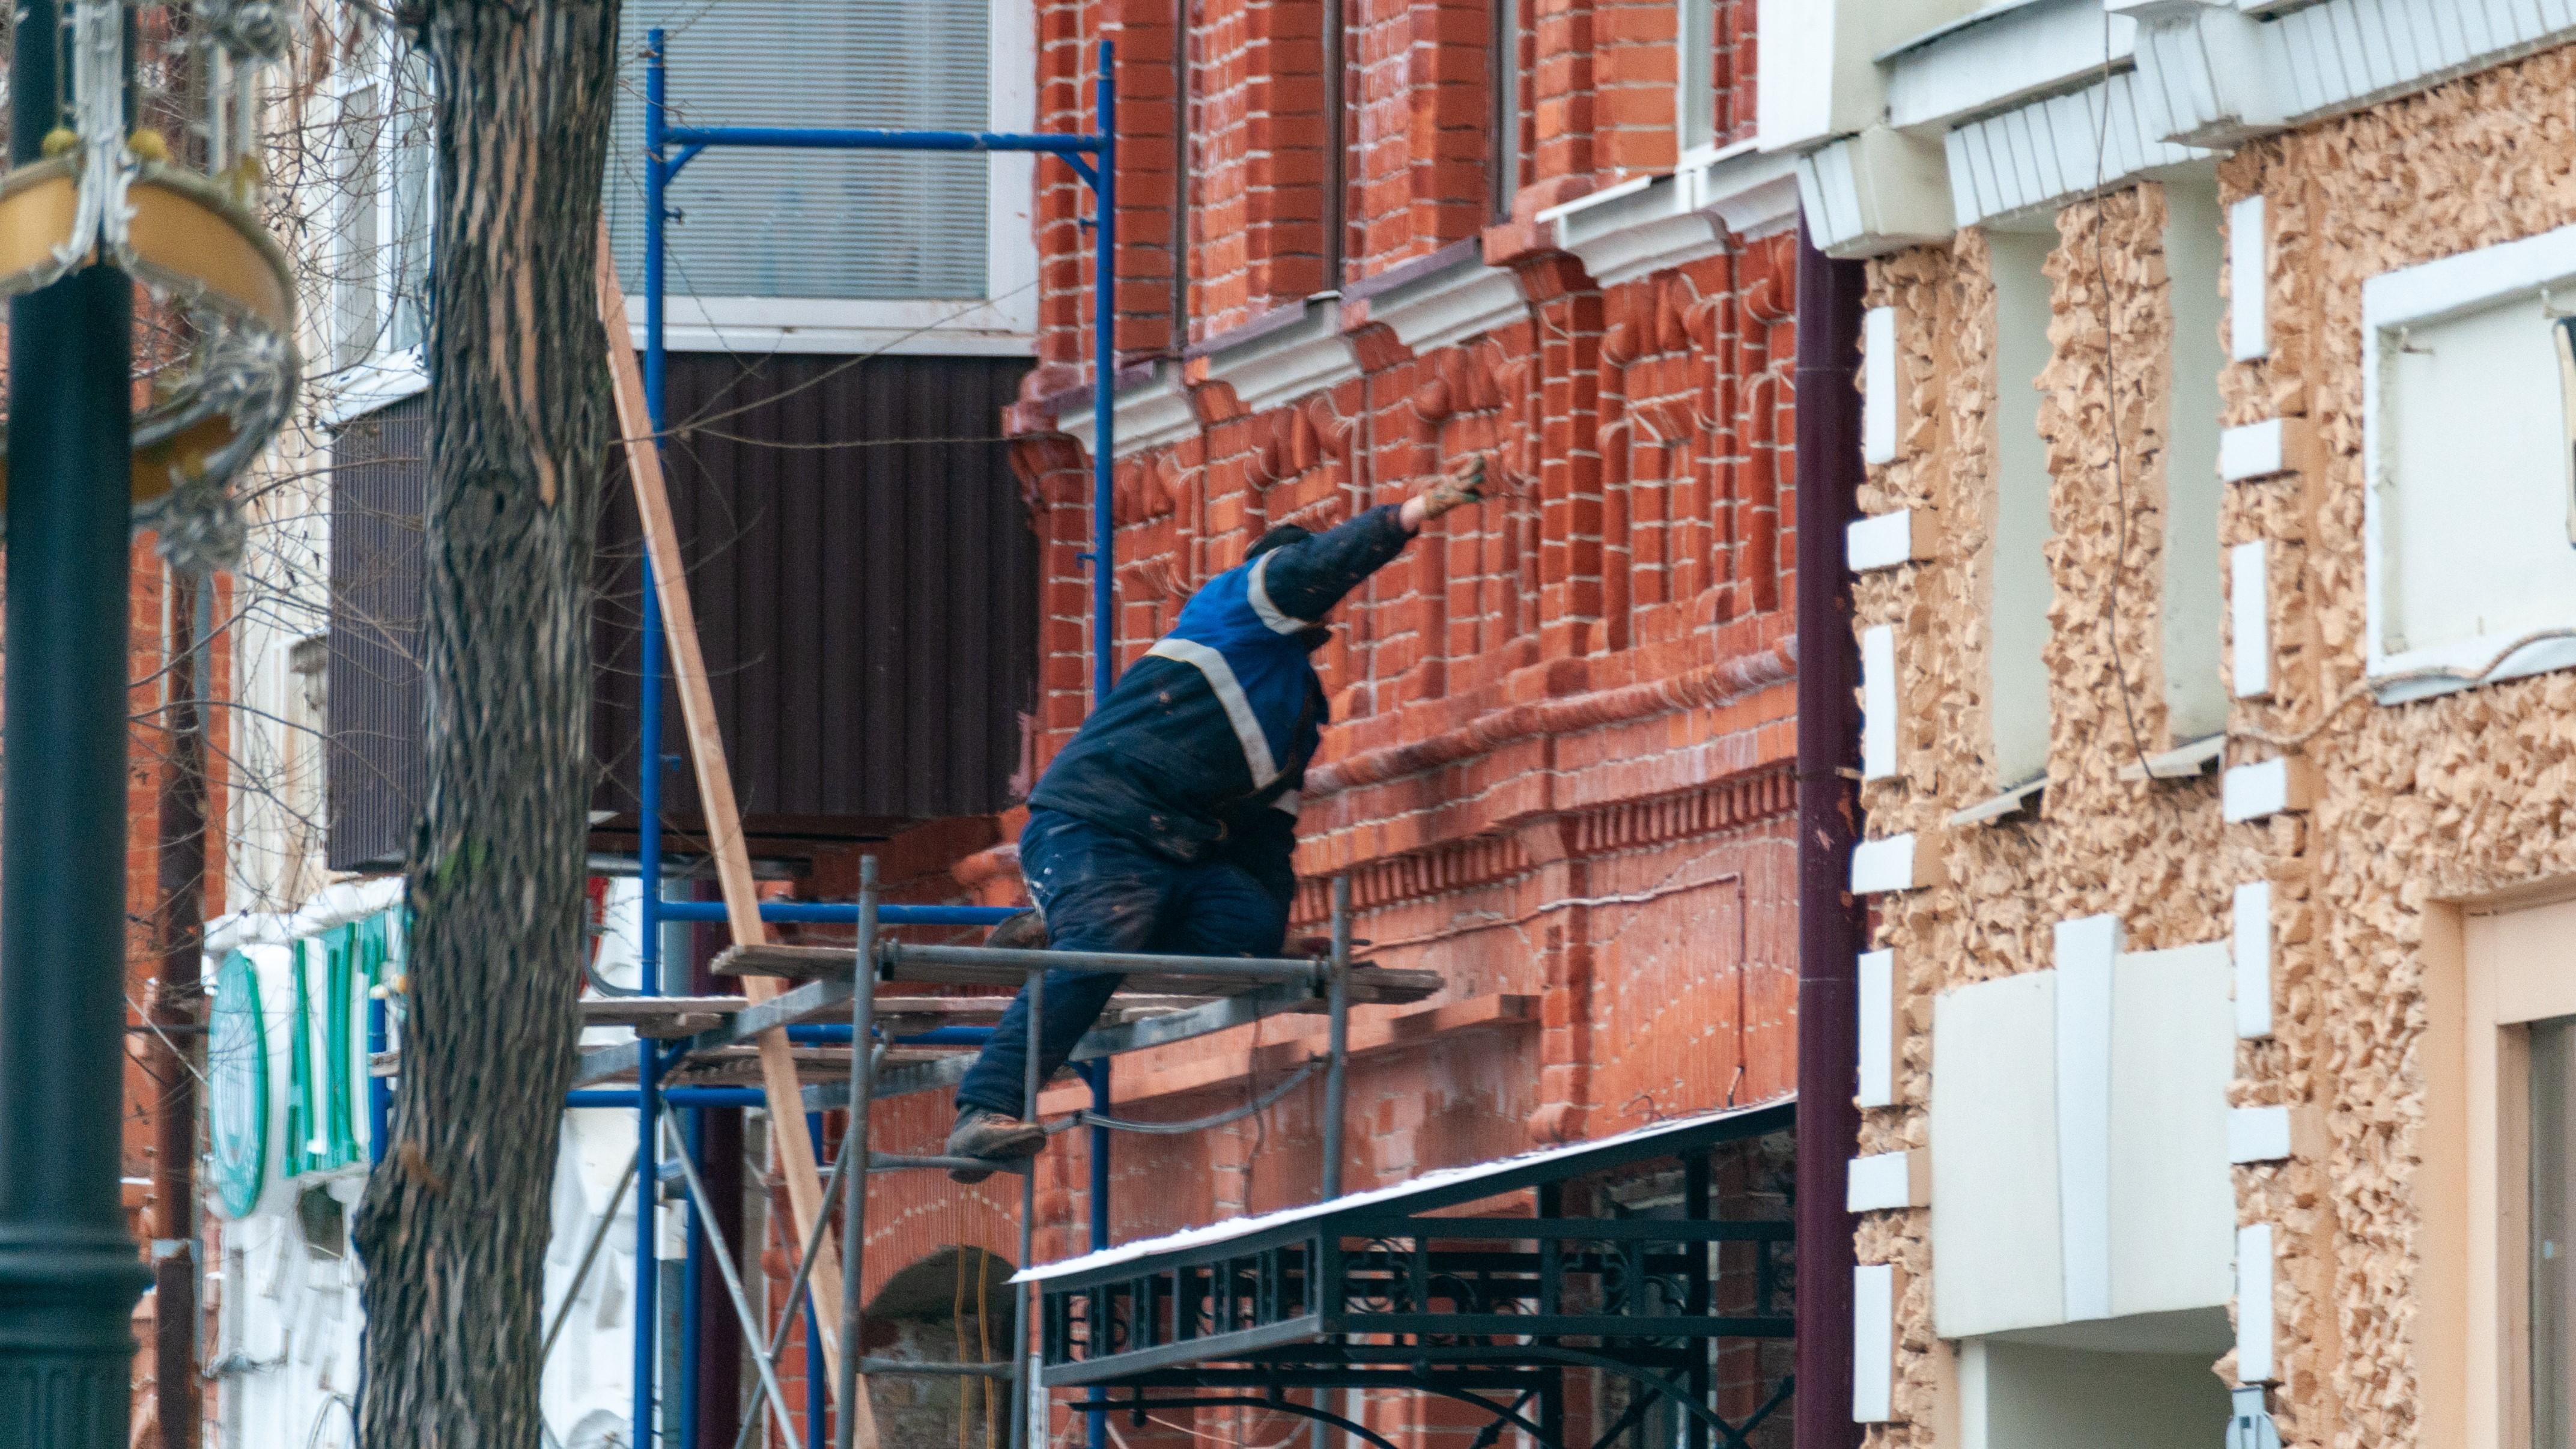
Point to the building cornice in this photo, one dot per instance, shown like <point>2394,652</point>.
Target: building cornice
<point>1284,362</point>
<point>1654,223</point>
<point>1149,413</point>
<point>2020,124</point>
<point>1447,306</point>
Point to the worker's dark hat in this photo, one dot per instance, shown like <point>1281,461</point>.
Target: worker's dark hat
<point>1279,537</point>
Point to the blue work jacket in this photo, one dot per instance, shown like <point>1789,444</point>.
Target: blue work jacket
<point>1199,750</point>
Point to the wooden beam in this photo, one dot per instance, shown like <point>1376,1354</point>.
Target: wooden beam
<point>723,818</point>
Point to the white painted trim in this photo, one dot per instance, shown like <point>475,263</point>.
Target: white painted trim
<point>1874,1298</point>
<point>2286,785</point>
<point>2254,1326</point>
<point>1256,588</point>
<point>2252,451</point>
<point>1895,863</point>
<point>2267,450</point>
<point>2249,334</point>
<point>2037,157</point>
<point>1450,306</point>
<point>2259,1134</point>
<point>1635,229</point>
<point>1875,192</point>
<point>1752,193</point>
<point>2252,945</point>
<point>1881,396</point>
<point>1991,60</point>
<point>1888,1181</point>
<point>2249,602</point>
<point>362,390</point>
<point>825,326</point>
<point>1878,693</point>
<point>1211,666</point>
<point>2228,75</point>
<point>1885,540</point>
<point>1878,1037</point>
<point>2412,297</point>
<point>2087,951</point>
<point>1296,361</point>
<point>1149,415</point>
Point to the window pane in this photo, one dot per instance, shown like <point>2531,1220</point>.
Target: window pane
<point>2553,1044</point>
<point>413,166</point>
<point>361,133</point>
<point>796,223</point>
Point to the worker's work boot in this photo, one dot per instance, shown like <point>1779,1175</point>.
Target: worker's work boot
<point>1026,931</point>
<point>993,1137</point>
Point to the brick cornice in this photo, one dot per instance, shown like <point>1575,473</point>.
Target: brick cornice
<point>1767,793</point>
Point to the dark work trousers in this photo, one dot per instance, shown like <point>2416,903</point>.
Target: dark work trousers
<point>1103,892</point>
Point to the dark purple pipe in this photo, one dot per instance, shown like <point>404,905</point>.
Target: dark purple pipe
<point>1830,920</point>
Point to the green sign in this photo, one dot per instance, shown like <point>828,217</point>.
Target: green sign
<point>237,1075</point>
<point>289,1063</point>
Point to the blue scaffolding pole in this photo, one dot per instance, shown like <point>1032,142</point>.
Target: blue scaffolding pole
<point>669,149</point>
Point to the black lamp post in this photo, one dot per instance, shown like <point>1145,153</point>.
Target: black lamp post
<point>69,1273</point>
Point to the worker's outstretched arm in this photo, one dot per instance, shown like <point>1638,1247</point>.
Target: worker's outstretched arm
<point>1305,580</point>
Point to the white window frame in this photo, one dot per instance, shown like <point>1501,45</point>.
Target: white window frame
<point>386,375</point>
<point>1003,323</point>
<point>2417,296</point>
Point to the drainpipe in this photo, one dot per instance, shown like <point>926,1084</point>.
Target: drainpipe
<point>1830,919</point>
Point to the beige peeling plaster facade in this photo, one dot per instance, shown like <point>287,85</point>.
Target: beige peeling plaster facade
<point>2419,812</point>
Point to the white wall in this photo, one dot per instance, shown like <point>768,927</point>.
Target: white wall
<point>1818,78</point>
<point>2019,1396</point>
<point>1996,1259</point>
<point>2173,1199</point>
<point>2063,1192</point>
<point>2019,622</point>
<point>2476,517</point>
<point>2195,694</point>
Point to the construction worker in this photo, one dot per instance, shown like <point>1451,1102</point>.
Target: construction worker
<point>1169,823</point>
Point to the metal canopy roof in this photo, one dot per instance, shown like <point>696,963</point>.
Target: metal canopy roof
<point>1448,1187</point>
<point>1381,1290</point>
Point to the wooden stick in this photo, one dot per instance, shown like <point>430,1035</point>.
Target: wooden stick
<point>723,818</point>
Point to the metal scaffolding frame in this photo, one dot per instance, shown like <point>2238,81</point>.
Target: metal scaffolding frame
<point>836,1018</point>
<point>668,150</point>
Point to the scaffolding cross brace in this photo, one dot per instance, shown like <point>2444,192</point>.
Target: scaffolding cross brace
<point>668,150</point>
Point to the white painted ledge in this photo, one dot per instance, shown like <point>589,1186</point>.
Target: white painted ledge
<point>1887,540</point>
<point>2252,945</point>
<point>1882,402</point>
<point>1292,362</point>
<point>2249,606</point>
<point>2183,762</point>
<point>2282,786</point>
<point>1878,1035</point>
<point>1896,863</point>
<point>2274,1134</point>
<point>1150,415</point>
<point>2254,1309</point>
<point>1889,1182</point>
<point>1876,1290</point>
<point>1880,711</point>
<point>2267,450</point>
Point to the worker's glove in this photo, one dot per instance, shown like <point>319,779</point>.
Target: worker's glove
<point>1463,484</point>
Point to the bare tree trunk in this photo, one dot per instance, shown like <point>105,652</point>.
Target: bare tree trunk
<point>455,1223</point>
<point>178,1047</point>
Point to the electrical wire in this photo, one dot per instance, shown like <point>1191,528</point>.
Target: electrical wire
<point>2111,401</point>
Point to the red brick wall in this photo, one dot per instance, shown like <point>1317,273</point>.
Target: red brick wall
<point>146,753</point>
<point>1225,154</point>
<point>1559,767</point>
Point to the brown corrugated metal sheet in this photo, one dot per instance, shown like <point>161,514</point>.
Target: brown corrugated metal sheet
<point>866,588</point>
<point>375,773</point>
<point>865,578</point>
